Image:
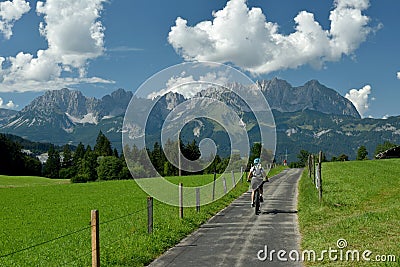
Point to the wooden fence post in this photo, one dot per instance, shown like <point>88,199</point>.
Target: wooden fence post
<point>313,168</point>
<point>213,189</point>
<point>95,238</point>
<point>149,214</point>
<point>179,159</point>
<point>180,200</point>
<point>197,199</point>
<point>320,176</point>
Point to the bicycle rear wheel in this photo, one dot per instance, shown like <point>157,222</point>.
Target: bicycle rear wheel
<point>257,201</point>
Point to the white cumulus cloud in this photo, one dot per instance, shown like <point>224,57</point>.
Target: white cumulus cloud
<point>360,98</point>
<point>10,12</point>
<point>246,38</point>
<point>72,30</point>
<point>9,105</point>
<point>74,35</point>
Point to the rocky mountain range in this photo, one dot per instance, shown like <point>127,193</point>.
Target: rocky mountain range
<point>5,115</point>
<point>304,116</point>
<point>283,97</point>
<point>312,95</point>
<point>57,114</point>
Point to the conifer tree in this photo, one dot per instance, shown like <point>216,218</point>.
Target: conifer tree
<point>53,163</point>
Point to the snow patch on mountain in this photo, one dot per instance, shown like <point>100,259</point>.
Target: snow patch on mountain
<point>321,133</point>
<point>107,117</point>
<point>386,127</point>
<point>68,130</point>
<point>291,131</point>
<point>197,129</point>
<point>88,118</point>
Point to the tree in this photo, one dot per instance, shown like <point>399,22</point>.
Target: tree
<point>67,173</point>
<point>124,173</point>
<point>53,163</point>
<point>171,151</point>
<point>267,156</point>
<point>213,166</point>
<point>11,158</point>
<point>343,157</point>
<point>255,152</point>
<point>138,171</point>
<point>115,153</point>
<point>87,167</point>
<point>68,169</point>
<point>221,167</point>
<point>32,166</point>
<point>191,152</point>
<point>79,154</point>
<point>103,145</point>
<point>236,162</point>
<point>303,158</point>
<point>132,154</point>
<point>67,157</point>
<point>15,162</point>
<point>109,168</point>
<point>362,153</point>
<point>169,169</point>
<point>157,158</point>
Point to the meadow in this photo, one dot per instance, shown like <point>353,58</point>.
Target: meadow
<point>361,204</point>
<point>24,181</point>
<point>47,223</point>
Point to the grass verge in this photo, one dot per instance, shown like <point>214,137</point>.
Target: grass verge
<point>361,204</point>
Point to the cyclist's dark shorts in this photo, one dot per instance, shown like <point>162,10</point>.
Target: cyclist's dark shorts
<point>255,182</point>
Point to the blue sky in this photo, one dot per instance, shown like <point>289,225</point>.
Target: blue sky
<point>98,46</point>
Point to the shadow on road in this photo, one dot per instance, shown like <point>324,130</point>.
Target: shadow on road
<point>277,211</point>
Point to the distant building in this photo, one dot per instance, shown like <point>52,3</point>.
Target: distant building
<point>390,153</point>
<point>43,157</point>
<point>26,152</point>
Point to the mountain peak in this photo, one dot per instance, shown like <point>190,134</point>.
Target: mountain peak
<point>121,93</point>
<point>277,83</point>
<point>313,83</point>
<point>116,103</point>
<point>312,95</point>
<point>171,99</point>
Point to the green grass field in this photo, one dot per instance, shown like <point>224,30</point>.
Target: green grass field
<point>361,204</point>
<point>24,181</point>
<point>31,215</point>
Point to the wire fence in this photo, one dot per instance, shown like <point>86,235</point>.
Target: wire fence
<point>76,257</point>
<point>44,242</point>
<point>314,167</point>
<point>110,235</point>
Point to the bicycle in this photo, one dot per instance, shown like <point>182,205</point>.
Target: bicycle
<point>257,199</point>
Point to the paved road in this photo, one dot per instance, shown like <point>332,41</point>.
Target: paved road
<point>236,235</point>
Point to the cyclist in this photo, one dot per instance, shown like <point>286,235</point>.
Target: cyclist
<point>257,176</point>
